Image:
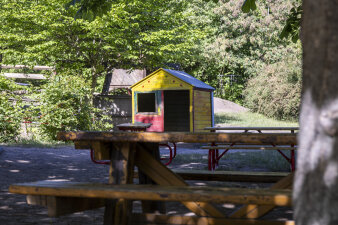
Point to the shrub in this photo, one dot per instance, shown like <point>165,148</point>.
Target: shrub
<point>10,111</point>
<point>66,104</point>
<point>276,91</point>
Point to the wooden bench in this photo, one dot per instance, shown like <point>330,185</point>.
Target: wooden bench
<point>66,192</point>
<point>229,176</point>
<point>125,150</point>
<point>214,156</point>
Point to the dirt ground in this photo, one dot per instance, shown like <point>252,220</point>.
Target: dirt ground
<point>26,164</point>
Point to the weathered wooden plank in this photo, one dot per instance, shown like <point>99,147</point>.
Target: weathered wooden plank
<point>25,76</point>
<point>252,128</point>
<point>163,176</point>
<point>27,67</point>
<point>199,118</point>
<point>204,112</point>
<point>251,138</point>
<point>202,125</point>
<point>255,211</point>
<point>59,206</point>
<point>201,94</point>
<point>198,129</point>
<point>202,106</point>
<point>117,211</point>
<point>101,150</point>
<point>274,197</point>
<point>194,220</point>
<point>151,206</point>
<point>81,145</point>
<point>231,176</point>
<point>249,147</point>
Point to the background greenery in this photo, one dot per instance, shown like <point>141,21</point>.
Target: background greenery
<point>85,39</point>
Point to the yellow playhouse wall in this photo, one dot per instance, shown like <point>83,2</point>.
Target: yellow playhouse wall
<point>161,81</point>
<point>202,110</point>
<point>164,81</point>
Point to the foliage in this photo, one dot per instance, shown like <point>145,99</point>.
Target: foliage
<point>292,24</point>
<point>67,105</point>
<point>276,91</point>
<point>241,44</point>
<point>250,119</point>
<point>131,34</point>
<point>10,111</point>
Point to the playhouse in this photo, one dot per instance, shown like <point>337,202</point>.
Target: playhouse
<point>172,101</point>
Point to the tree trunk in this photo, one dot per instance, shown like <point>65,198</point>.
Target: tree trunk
<point>94,79</point>
<point>107,81</point>
<point>316,182</point>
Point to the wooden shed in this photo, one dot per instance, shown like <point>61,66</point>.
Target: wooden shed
<point>172,101</point>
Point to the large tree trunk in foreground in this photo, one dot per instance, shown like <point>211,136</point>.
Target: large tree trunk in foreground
<point>316,181</point>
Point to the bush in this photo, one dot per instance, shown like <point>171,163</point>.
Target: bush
<point>10,111</point>
<point>276,91</point>
<point>66,104</point>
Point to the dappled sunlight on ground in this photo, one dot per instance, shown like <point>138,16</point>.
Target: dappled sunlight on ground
<point>19,164</point>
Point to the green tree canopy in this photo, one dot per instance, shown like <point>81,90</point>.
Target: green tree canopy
<point>131,34</point>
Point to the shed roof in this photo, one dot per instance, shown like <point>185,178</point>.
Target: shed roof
<point>122,78</point>
<point>189,79</point>
<point>184,77</point>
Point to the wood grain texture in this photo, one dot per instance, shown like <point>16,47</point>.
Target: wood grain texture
<point>194,220</point>
<point>249,147</point>
<point>156,192</point>
<point>251,138</point>
<point>163,176</point>
<point>202,110</point>
<point>59,206</point>
<point>231,176</point>
<point>253,128</point>
<point>253,211</point>
<point>117,210</point>
<point>150,206</point>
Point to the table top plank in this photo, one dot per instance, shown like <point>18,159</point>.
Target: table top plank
<point>252,128</point>
<point>156,192</point>
<point>134,125</point>
<point>251,138</point>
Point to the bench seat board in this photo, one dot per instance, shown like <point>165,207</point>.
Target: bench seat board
<point>155,192</point>
<point>231,176</point>
<point>58,206</point>
<point>194,220</point>
<point>249,147</point>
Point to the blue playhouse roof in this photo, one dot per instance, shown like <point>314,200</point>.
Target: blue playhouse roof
<point>189,79</point>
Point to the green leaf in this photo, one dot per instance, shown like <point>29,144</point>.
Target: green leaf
<point>249,5</point>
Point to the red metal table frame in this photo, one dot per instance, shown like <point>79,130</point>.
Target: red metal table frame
<point>141,127</point>
<point>214,156</point>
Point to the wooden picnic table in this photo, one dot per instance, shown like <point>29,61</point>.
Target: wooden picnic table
<point>134,126</point>
<point>246,129</point>
<point>128,149</point>
<point>214,156</point>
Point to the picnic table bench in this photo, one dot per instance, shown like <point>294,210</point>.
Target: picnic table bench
<point>214,156</point>
<point>129,149</point>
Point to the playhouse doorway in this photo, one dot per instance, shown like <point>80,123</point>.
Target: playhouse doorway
<point>176,110</point>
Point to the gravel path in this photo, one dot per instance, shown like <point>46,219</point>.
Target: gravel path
<point>19,164</point>
<point>27,164</point>
<point>225,106</point>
